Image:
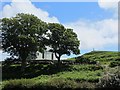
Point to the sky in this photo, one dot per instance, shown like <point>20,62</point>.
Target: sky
<point>96,23</point>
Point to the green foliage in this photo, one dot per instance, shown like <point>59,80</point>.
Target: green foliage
<point>73,59</point>
<point>114,63</point>
<point>90,76</point>
<point>0,85</point>
<point>14,71</point>
<point>83,60</point>
<point>62,40</point>
<point>53,84</point>
<point>31,71</point>
<point>18,84</point>
<point>22,35</point>
<point>49,76</point>
<point>61,83</point>
<point>25,34</point>
<point>87,67</point>
<point>110,80</point>
<point>103,57</point>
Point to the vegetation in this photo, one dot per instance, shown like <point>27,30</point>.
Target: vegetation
<point>62,40</point>
<point>101,57</point>
<point>110,80</point>
<point>114,63</point>
<point>73,76</point>
<point>22,36</point>
<point>67,76</point>
<point>53,84</point>
<point>25,34</point>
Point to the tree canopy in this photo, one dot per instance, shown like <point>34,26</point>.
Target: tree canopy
<point>23,35</point>
<point>62,40</point>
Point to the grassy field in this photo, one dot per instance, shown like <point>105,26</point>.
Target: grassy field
<point>104,57</point>
<point>50,76</point>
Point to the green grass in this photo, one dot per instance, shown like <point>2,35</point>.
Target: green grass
<point>73,74</point>
<point>92,76</point>
<point>77,73</point>
<point>52,84</point>
<point>104,57</point>
<point>73,59</point>
<point>39,76</point>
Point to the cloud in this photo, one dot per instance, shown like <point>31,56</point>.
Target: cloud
<point>26,6</point>
<point>95,34</point>
<point>110,5</point>
<point>98,34</point>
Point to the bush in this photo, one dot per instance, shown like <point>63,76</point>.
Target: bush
<point>114,63</point>
<point>18,84</point>
<point>82,60</point>
<point>96,67</point>
<point>68,84</point>
<point>85,85</point>
<point>86,67</point>
<point>61,83</point>
<point>110,81</point>
<point>52,84</point>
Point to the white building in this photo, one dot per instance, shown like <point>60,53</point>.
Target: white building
<point>46,56</point>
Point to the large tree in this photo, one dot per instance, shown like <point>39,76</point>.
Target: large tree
<point>62,41</point>
<point>23,35</point>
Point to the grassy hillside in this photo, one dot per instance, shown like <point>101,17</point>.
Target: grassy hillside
<point>101,55</point>
<point>50,76</point>
<point>104,57</point>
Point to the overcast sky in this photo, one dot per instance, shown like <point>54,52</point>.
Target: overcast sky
<point>95,23</point>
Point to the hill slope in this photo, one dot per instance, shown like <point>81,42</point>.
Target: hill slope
<point>50,76</point>
<point>101,55</point>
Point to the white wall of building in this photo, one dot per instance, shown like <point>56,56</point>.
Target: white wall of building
<point>47,56</point>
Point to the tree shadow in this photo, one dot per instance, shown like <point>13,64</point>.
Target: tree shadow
<point>32,70</point>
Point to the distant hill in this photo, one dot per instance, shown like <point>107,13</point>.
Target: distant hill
<point>101,56</point>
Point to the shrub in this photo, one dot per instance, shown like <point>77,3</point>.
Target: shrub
<point>61,83</point>
<point>82,60</point>
<point>114,63</point>
<point>68,84</point>
<point>52,84</point>
<point>85,85</point>
<point>18,84</point>
<point>95,67</point>
<point>110,81</point>
<point>86,67</point>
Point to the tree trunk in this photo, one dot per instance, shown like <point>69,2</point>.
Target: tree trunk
<point>23,65</point>
<point>52,56</point>
<point>23,57</point>
<point>58,59</point>
<point>43,56</point>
